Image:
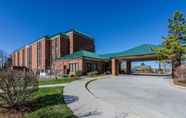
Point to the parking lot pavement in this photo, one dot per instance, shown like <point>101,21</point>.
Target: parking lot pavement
<point>141,96</point>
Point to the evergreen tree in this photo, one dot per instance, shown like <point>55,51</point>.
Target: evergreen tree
<point>172,47</point>
<point>177,26</point>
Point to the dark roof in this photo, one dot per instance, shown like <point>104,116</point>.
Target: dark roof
<point>80,33</point>
<point>82,53</point>
<point>60,33</point>
<point>145,49</point>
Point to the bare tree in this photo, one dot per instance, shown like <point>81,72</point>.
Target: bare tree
<point>16,88</point>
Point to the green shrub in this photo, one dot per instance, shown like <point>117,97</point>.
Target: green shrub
<point>78,73</point>
<point>65,76</point>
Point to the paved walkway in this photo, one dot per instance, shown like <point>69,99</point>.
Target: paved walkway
<point>87,106</point>
<point>127,97</point>
<point>52,85</point>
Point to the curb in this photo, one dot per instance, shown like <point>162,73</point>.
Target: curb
<point>171,83</point>
<point>86,86</point>
<point>92,80</point>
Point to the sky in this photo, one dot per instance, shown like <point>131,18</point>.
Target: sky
<point>116,25</point>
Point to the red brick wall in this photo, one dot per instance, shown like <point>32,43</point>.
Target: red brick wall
<point>29,58</point>
<point>38,55</point>
<point>64,46</point>
<point>17,58</point>
<point>85,44</point>
<point>41,55</point>
<point>34,56</point>
<point>22,57</point>
<point>55,47</point>
<point>59,65</point>
<point>59,47</point>
<point>26,57</point>
<point>71,42</point>
<point>79,42</point>
<point>47,54</point>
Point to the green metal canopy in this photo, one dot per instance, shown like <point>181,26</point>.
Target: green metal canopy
<point>80,54</point>
<point>145,49</point>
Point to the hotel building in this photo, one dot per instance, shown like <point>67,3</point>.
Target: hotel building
<point>41,55</point>
<point>72,51</point>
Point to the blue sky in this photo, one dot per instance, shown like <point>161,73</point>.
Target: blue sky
<point>116,25</point>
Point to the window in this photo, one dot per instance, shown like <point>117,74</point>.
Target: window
<point>91,67</point>
<point>74,67</point>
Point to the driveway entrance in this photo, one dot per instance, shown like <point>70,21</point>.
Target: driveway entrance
<point>141,96</point>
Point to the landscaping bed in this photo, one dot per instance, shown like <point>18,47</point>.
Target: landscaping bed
<point>47,103</point>
<point>179,82</point>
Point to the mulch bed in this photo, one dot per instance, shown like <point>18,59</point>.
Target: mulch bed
<point>17,111</point>
<point>179,82</point>
<point>4,113</point>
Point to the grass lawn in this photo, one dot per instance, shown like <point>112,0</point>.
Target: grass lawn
<point>50,104</point>
<point>56,81</point>
<point>180,82</point>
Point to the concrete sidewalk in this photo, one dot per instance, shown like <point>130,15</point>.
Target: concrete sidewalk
<point>87,105</point>
<point>52,85</point>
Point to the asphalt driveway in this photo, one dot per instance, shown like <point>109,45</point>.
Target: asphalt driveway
<point>141,96</point>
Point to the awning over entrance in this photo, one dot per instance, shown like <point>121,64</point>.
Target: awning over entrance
<point>141,53</point>
<point>145,49</point>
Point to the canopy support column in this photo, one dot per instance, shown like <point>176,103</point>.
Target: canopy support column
<point>128,67</point>
<point>115,67</point>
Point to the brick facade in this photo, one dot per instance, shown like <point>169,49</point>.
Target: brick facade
<point>22,57</point>
<point>26,56</point>
<point>59,46</point>
<point>17,59</point>
<point>63,66</point>
<point>79,41</point>
<point>41,54</point>
<point>84,65</point>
